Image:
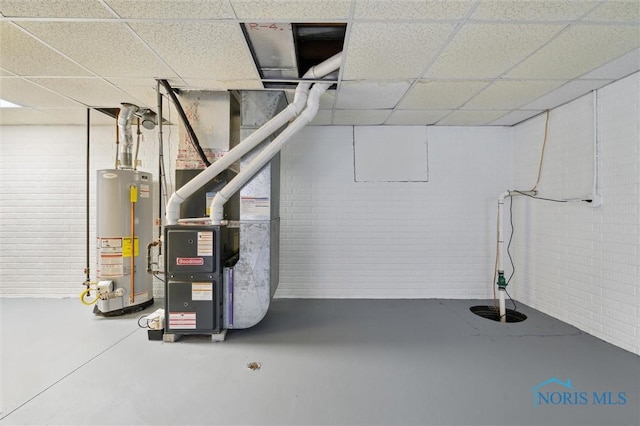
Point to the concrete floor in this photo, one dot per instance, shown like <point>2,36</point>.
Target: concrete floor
<point>426,362</point>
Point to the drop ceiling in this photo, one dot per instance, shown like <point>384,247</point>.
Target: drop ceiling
<point>405,62</point>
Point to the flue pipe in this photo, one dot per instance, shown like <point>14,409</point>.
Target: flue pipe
<point>217,205</point>
<point>250,142</point>
<point>126,139</point>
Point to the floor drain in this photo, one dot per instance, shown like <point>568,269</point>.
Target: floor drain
<point>489,312</point>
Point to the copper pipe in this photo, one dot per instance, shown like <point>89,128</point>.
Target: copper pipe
<point>133,244</point>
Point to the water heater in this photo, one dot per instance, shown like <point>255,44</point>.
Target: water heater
<point>124,229</point>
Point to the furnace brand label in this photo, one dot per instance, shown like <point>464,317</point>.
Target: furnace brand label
<point>182,320</point>
<point>189,261</point>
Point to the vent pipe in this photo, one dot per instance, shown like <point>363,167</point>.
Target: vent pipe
<point>270,127</point>
<point>217,205</point>
<point>126,138</point>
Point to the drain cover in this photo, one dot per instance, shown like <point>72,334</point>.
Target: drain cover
<point>489,312</point>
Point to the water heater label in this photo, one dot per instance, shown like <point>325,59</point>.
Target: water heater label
<point>202,291</point>
<point>189,261</point>
<point>144,191</point>
<point>126,247</point>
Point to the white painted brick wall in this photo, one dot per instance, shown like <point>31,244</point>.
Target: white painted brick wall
<point>42,220</point>
<point>391,240</point>
<point>576,263</point>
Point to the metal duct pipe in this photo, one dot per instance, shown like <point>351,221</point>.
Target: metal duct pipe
<point>299,100</point>
<point>126,139</point>
<point>313,103</point>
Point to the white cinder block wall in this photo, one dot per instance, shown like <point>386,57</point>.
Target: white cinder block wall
<point>341,238</point>
<point>42,221</point>
<point>576,263</point>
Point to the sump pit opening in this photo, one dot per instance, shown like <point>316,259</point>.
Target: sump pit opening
<point>492,313</point>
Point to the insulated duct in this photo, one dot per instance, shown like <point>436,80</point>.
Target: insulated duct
<point>126,138</point>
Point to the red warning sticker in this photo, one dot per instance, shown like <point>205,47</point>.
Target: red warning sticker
<point>182,320</point>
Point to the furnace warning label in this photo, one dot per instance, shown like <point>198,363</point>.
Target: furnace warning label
<point>182,320</point>
<point>202,291</point>
<point>205,243</point>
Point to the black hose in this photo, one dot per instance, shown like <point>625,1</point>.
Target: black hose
<point>160,162</point>
<point>87,270</point>
<point>185,121</point>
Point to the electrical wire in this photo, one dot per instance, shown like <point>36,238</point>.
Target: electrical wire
<point>546,199</point>
<point>515,308</point>
<point>146,325</point>
<point>544,144</point>
<point>156,275</point>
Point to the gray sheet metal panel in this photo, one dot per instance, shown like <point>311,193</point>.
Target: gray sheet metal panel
<point>256,274</point>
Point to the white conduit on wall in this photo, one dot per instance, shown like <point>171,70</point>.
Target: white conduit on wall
<point>293,110</point>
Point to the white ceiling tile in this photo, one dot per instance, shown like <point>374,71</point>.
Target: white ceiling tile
<point>212,50</point>
<point>291,10</point>
<point>172,9</point>
<point>411,117</point>
<point>27,94</point>
<point>616,11</point>
<point>577,51</point>
<point>322,118</point>
<point>143,89</point>
<point>209,84</point>
<point>470,118</point>
<point>488,50</point>
<point>618,68</point>
<point>510,94</point>
<point>27,116</point>
<point>568,92</point>
<point>108,49</point>
<point>392,51</point>
<point>92,92</point>
<point>78,116</point>
<point>54,9</point>
<point>411,9</point>
<point>532,10</point>
<point>360,117</point>
<point>441,94</point>
<point>371,95</point>
<point>39,61</point>
<point>514,117</point>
